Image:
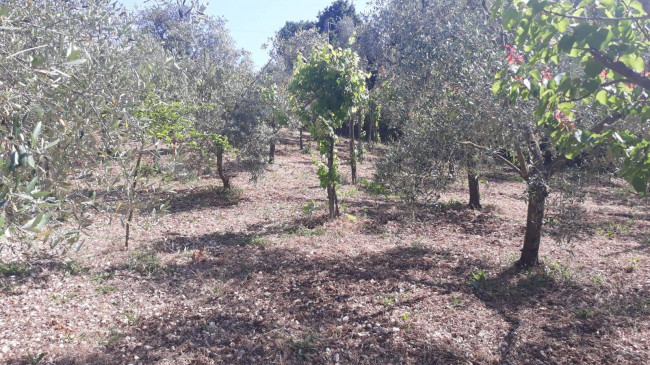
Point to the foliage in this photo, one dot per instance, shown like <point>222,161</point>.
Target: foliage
<point>568,55</point>
<point>432,103</point>
<point>167,121</point>
<point>325,90</point>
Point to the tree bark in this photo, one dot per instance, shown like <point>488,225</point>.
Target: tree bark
<point>272,152</point>
<point>224,179</point>
<point>537,193</point>
<point>359,134</point>
<point>353,155</point>
<point>331,187</point>
<point>473,181</point>
<point>136,173</point>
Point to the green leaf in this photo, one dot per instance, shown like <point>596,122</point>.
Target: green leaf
<point>35,134</point>
<point>582,31</point>
<point>510,18</point>
<point>566,43</point>
<point>32,185</point>
<point>496,87</point>
<point>562,25</point>
<point>598,39</point>
<point>602,97</point>
<point>634,61</point>
<point>638,183</point>
<point>593,68</point>
<point>76,62</point>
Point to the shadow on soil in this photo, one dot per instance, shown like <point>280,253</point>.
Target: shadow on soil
<point>271,305</point>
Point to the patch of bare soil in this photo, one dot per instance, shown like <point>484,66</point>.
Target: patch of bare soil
<point>260,277</point>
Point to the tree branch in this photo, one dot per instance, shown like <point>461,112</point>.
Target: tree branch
<point>522,161</point>
<point>603,85</point>
<point>596,18</point>
<point>621,68</point>
<point>498,157</point>
<point>605,123</point>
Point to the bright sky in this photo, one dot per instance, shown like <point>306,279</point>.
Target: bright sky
<point>253,22</point>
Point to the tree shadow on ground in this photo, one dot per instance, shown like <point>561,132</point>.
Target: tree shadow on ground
<point>557,308</point>
<point>194,199</point>
<point>279,307</point>
<point>273,305</point>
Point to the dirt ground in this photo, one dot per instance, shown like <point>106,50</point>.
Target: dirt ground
<point>251,277</point>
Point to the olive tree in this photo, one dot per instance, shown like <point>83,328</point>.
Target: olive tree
<point>65,85</point>
<point>435,78</point>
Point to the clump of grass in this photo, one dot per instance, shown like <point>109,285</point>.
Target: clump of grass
<point>306,232</point>
<point>100,277</point>
<point>72,268</point>
<point>15,268</point>
<point>144,261</point>
<point>256,241</point>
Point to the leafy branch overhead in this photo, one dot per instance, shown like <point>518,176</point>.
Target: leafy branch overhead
<point>591,53</point>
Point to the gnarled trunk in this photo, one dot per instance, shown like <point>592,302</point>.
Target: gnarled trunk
<point>272,153</point>
<point>473,181</point>
<point>224,179</point>
<point>301,138</point>
<point>537,193</point>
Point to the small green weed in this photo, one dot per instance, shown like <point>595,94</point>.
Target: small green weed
<point>387,301</point>
<point>450,205</point>
<point>455,303</point>
<point>582,314</point>
<point>62,299</point>
<point>310,208</point>
<point>131,318</point>
<point>634,264</point>
<point>301,347</point>
<point>306,232</point>
<point>34,360</point>
<point>256,241</point>
<point>109,337</point>
<point>105,289</point>
<point>478,277</point>
<point>374,188</point>
<point>557,269</point>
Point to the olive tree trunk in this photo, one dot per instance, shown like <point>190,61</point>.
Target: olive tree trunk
<point>272,153</point>
<point>473,181</point>
<point>537,193</point>
<point>224,179</point>
<point>272,143</point>
<point>301,128</point>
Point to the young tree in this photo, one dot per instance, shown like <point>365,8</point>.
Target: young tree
<point>325,90</point>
